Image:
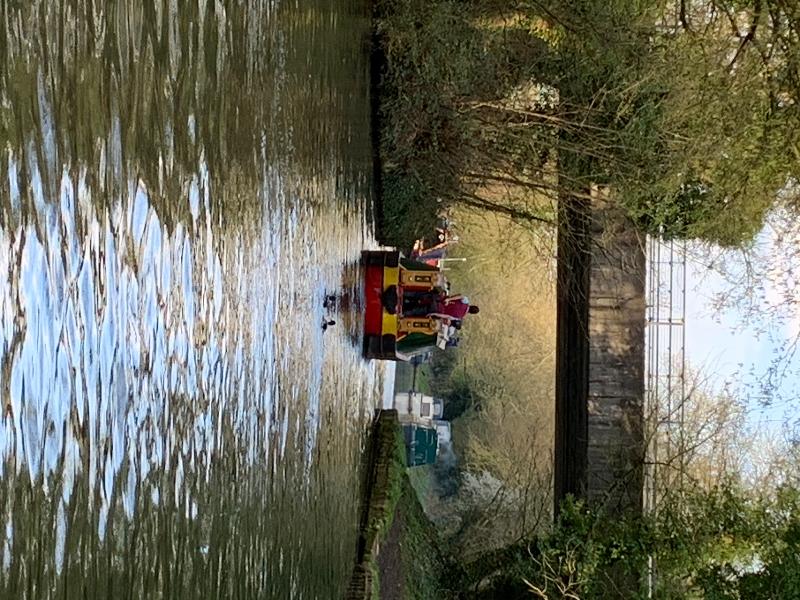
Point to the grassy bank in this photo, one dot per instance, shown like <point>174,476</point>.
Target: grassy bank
<point>399,554</point>
<point>410,378</point>
<point>412,564</point>
<point>383,486</point>
<point>450,73</point>
<point>499,387</point>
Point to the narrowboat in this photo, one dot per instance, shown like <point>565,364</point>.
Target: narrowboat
<point>389,280</point>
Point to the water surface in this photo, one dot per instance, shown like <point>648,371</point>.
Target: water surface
<point>183,182</point>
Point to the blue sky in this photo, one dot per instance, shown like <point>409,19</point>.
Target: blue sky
<point>736,347</point>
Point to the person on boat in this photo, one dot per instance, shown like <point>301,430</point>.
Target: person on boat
<point>417,304</point>
<point>454,308</point>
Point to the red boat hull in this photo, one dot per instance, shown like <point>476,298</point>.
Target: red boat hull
<point>381,294</point>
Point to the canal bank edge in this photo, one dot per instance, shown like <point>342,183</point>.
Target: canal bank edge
<point>393,525</point>
<point>384,468</point>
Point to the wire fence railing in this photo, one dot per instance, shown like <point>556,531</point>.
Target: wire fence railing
<point>665,374</point>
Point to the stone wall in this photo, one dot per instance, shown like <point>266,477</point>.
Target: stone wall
<point>600,356</point>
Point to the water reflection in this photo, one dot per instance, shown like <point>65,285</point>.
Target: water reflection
<point>182,185</point>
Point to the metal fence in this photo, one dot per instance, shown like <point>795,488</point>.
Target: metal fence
<point>665,368</point>
<point>665,373</point>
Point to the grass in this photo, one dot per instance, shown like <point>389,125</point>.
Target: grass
<point>421,479</point>
<point>387,486</point>
<point>508,349</point>
<point>383,487</point>
<point>405,380</point>
<point>506,361</point>
<point>426,568</point>
<point>392,503</point>
<point>423,383</point>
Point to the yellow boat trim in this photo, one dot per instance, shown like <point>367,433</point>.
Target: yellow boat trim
<point>391,276</point>
<point>389,324</point>
<point>424,325</point>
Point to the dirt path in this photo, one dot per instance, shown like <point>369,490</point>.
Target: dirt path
<point>390,562</point>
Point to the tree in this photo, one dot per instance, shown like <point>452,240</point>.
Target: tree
<point>697,436</point>
<point>719,543</point>
<point>698,129</point>
<point>757,288</point>
<point>688,110</point>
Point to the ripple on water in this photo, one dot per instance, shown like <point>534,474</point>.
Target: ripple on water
<point>176,422</point>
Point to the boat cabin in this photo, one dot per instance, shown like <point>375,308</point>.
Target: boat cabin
<point>397,291</point>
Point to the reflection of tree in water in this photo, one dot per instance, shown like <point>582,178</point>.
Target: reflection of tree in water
<point>132,110</point>
<point>144,90</point>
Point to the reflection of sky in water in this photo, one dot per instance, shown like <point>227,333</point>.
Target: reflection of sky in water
<point>129,346</point>
<point>112,325</point>
<point>178,192</point>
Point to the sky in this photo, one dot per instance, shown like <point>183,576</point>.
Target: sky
<point>735,347</point>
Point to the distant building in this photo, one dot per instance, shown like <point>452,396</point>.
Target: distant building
<point>415,406</point>
<point>422,445</point>
<point>420,417</point>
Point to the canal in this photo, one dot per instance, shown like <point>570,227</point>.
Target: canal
<point>183,184</point>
